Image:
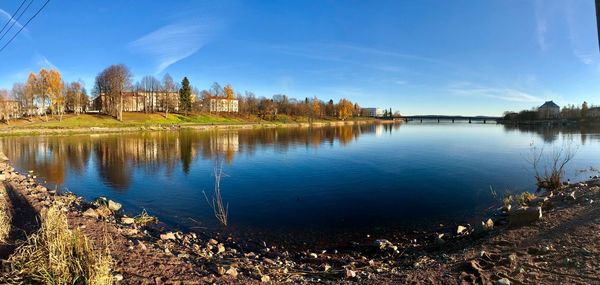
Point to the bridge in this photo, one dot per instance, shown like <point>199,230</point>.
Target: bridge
<point>452,119</point>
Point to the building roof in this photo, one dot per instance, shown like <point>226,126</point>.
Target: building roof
<point>549,104</point>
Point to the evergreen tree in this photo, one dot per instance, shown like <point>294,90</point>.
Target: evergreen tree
<point>185,96</point>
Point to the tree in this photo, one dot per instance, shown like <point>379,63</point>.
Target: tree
<point>31,88</point>
<point>345,109</point>
<point>316,107</point>
<point>185,96</point>
<point>54,85</point>
<point>74,97</point>
<point>169,88</point>
<point>4,106</point>
<point>229,95</point>
<point>584,109</point>
<point>111,83</point>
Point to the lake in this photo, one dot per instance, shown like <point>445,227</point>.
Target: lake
<point>315,185</point>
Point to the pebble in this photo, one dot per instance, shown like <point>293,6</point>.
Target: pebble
<point>350,273</point>
<point>460,229</point>
<point>232,272</point>
<point>118,277</point>
<point>168,236</point>
<point>502,281</point>
<point>127,220</point>
<point>265,278</point>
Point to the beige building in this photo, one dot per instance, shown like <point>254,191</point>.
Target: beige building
<point>222,104</point>
<point>549,110</point>
<point>142,102</point>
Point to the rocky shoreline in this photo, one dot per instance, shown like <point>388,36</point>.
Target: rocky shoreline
<point>148,253</point>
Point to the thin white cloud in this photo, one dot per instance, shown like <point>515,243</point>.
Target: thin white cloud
<point>173,43</point>
<point>42,61</point>
<point>4,16</point>
<point>585,48</point>
<point>503,93</point>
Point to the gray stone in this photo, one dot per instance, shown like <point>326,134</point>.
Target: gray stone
<point>461,230</point>
<point>524,216</point>
<point>503,281</point>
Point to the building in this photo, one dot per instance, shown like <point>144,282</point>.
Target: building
<point>142,101</point>
<point>372,112</point>
<point>549,110</point>
<point>593,112</point>
<point>222,104</point>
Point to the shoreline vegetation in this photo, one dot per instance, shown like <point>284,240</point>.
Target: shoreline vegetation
<point>549,237</point>
<point>98,123</point>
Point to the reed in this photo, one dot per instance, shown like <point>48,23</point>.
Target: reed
<point>220,209</point>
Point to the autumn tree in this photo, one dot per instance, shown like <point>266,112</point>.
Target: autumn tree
<point>229,95</point>
<point>345,109</point>
<point>54,88</point>
<point>316,107</point>
<point>185,96</point>
<point>4,106</point>
<point>111,83</point>
<point>75,99</point>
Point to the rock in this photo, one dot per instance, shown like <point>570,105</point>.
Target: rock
<point>141,245</point>
<point>114,206</point>
<point>265,278</point>
<point>571,196</point>
<point>506,208</point>
<point>220,270</point>
<point>213,241</point>
<point>537,201</point>
<point>2,177</point>
<point>313,255</point>
<point>103,212</point>
<point>220,248</point>
<point>488,225</point>
<point>90,213</point>
<point>524,216</point>
<point>168,236</point>
<point>127,220</point>
<point>3,157</point>
<point>439,240</point>
<point>502,281</point>
<point>232,272</point>
<point>118,277</point>
<point>461,229</point>
<point>382,243</point>
<point>326,267</point>
<point>350,273</point>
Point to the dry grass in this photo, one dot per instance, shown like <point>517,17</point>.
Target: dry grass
<point>549,169</point>
<point>220,209</point>
<point>58,255</point>
<point>5,216</point>
<point>143,218</point>
<point>524,198</point>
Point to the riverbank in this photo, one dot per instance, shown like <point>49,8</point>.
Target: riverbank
<point>139,122</point>
<point>558,247</point>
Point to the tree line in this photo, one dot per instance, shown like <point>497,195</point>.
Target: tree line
<point>570,112</point>
<point>46,93</point>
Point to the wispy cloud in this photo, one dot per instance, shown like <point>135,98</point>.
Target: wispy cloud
<point>4,16</point>
<point>42,61</point>
<point>541,25</point>
<point>501,93</point>
<point>584,47</point>
<point>174,42</point>
<point>353,54</point>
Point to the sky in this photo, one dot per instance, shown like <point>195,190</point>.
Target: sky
<point>417,57</point>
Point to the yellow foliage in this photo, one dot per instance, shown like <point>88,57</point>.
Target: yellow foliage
<point>345,109</point>
<point>228,92</point>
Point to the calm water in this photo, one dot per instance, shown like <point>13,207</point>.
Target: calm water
<point>319,184</point>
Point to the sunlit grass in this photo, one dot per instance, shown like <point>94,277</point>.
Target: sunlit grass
<point>58,255</point>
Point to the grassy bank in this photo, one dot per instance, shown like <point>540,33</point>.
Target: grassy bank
<point>99,123</point>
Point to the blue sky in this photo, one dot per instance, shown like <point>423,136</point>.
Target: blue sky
<point>418,57</point>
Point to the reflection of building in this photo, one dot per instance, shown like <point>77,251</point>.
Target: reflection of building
<point>549,111</point>
<point>221,104</point>
<point>372,112</point>
<point>223,142</point>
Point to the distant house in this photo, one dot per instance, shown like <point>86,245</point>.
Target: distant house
<point>222,104</point>
<point>372,112</point>
<point>141,101</point>
<point>549,110</point>
<point>594,112</point>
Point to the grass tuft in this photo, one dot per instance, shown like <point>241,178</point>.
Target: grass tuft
<point>58,255</point>
<point>5,216</point>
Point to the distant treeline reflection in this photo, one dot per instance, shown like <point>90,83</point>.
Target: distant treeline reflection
<point>551,133</point>
<point>116,156</point>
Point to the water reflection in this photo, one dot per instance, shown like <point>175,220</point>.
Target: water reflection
<point>550,134</point>
<point>117,156</point>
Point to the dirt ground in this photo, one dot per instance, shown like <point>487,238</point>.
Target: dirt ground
<point>563,247</point>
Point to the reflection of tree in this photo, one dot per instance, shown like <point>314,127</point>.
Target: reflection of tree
<point>117,155</point>
<point>551,133</point>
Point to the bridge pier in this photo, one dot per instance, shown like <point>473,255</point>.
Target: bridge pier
<point>469,121</point>
<point>421,120</point>
<point>452,120</point>
<point>438,120</point>
<point>484,121</point>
